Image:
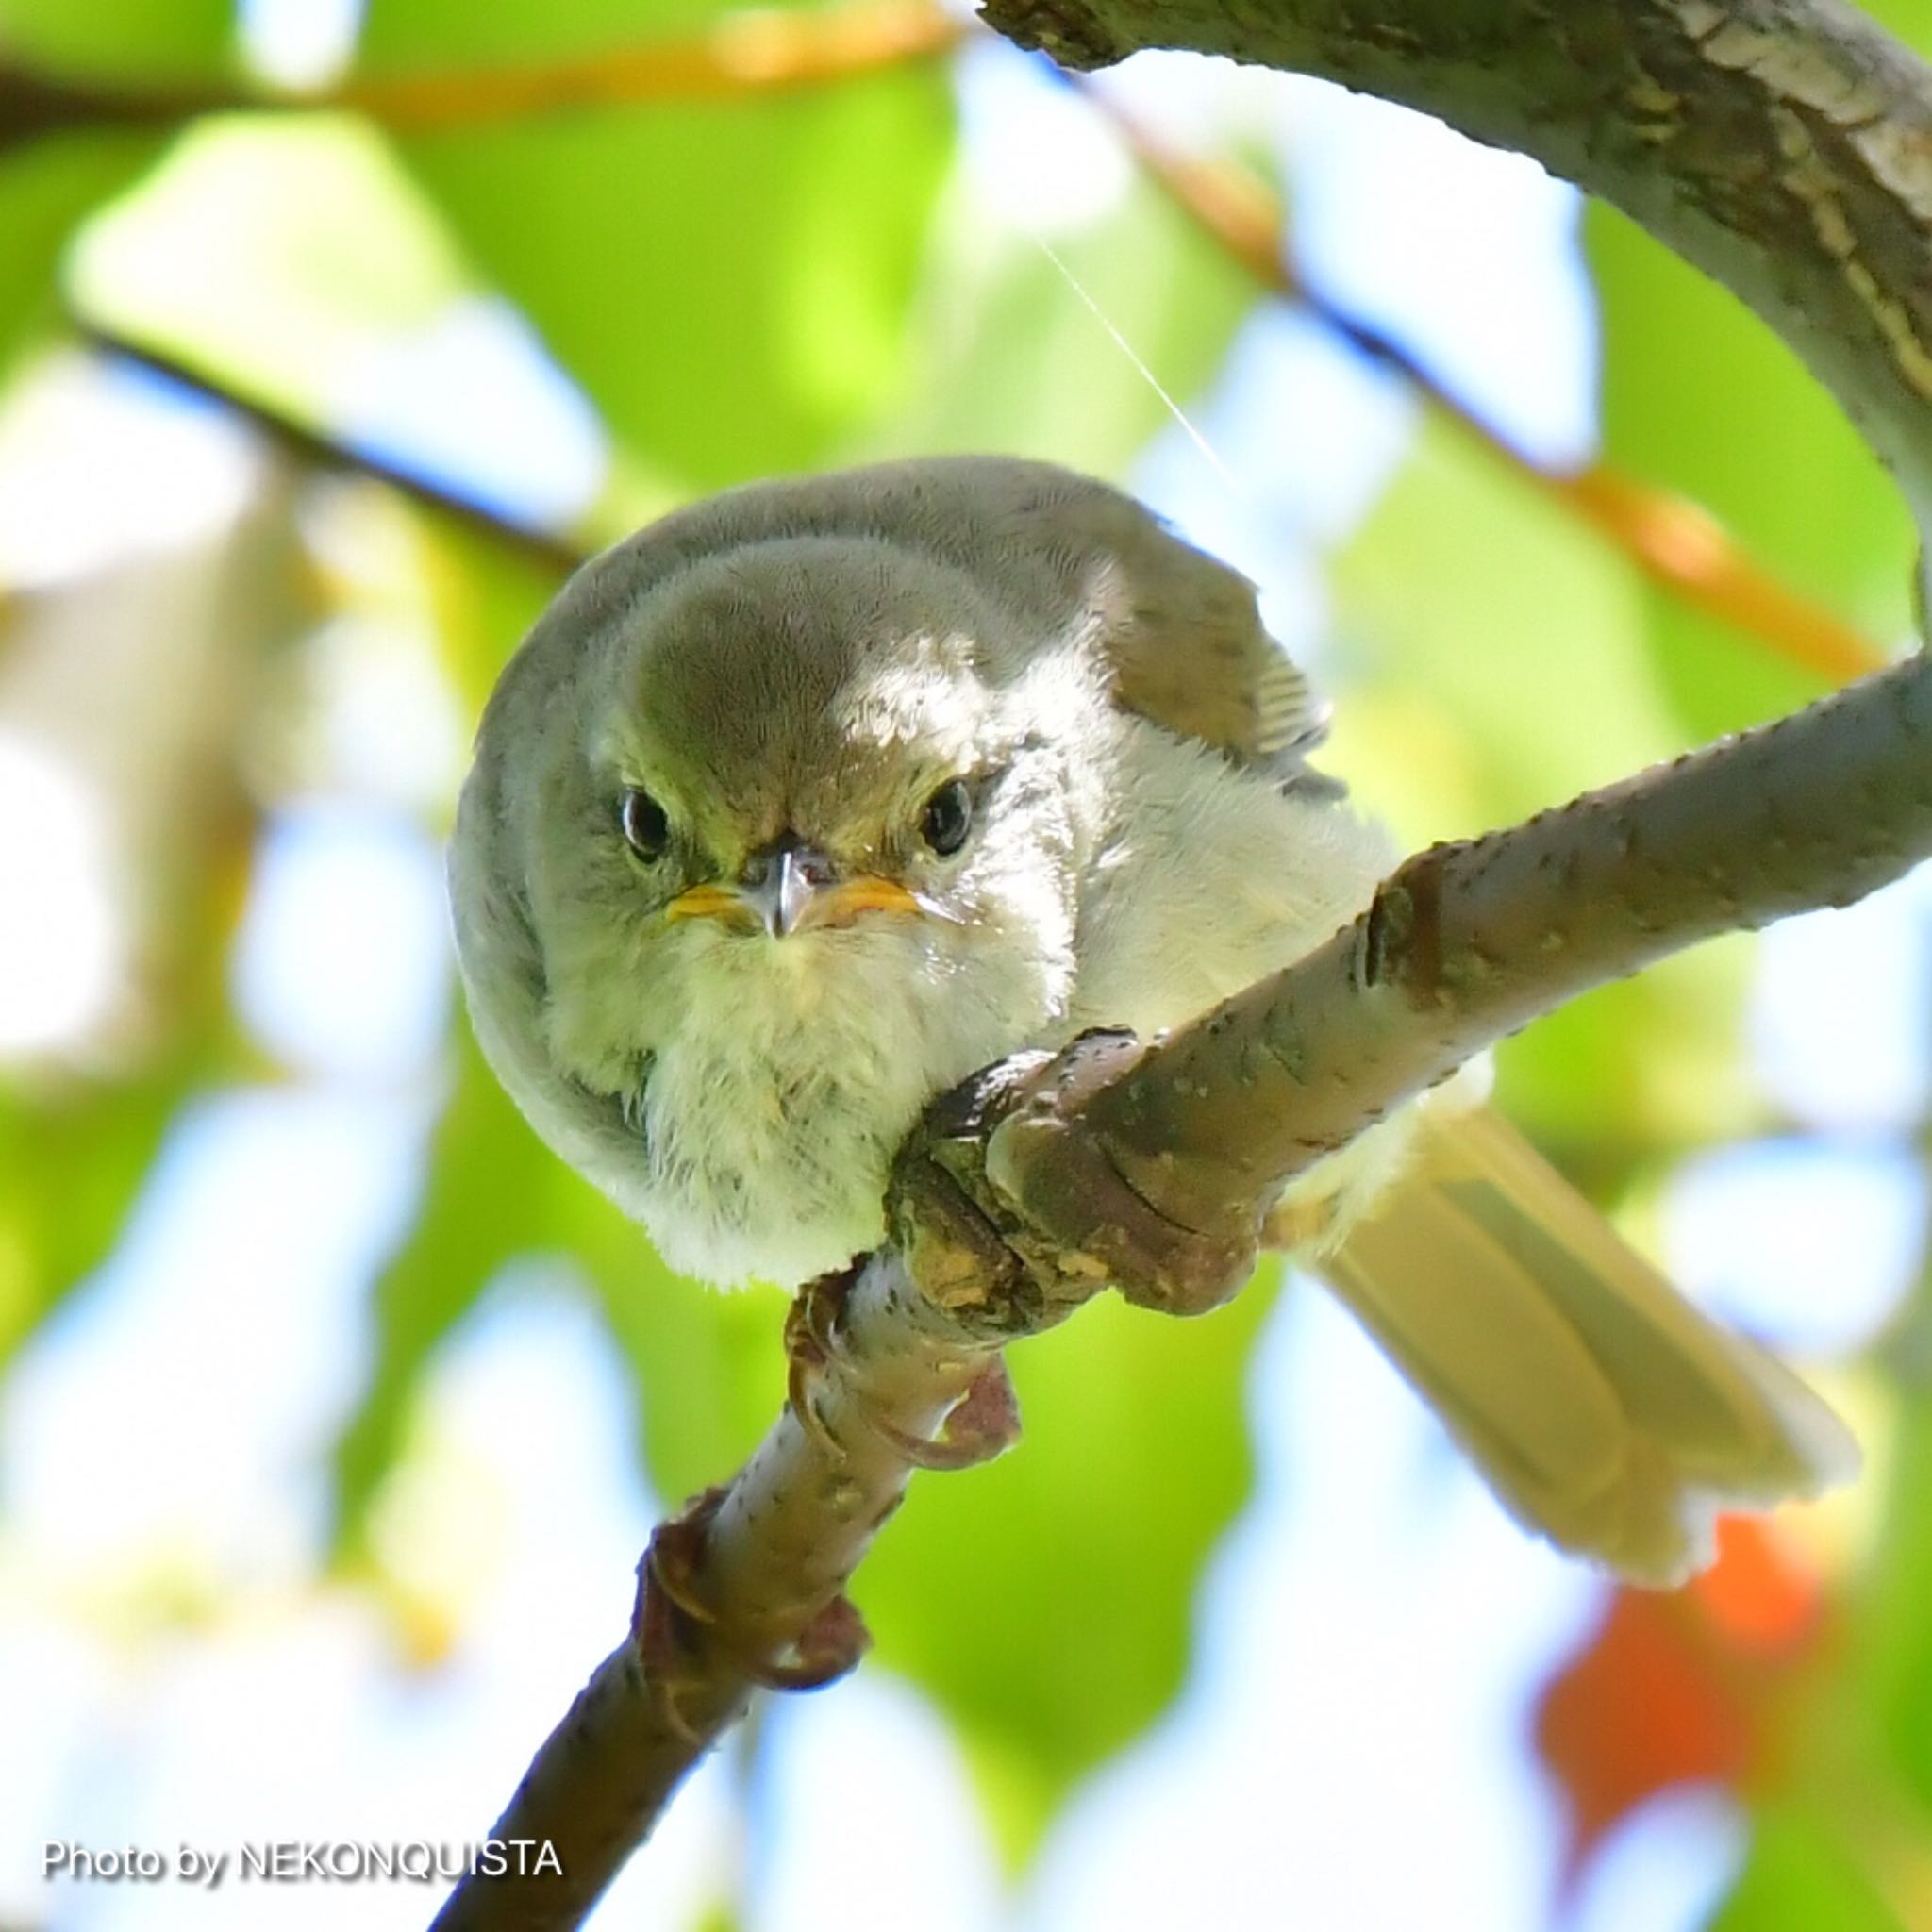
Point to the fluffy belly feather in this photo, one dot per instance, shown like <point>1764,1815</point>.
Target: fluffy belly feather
<point>773,1110</point>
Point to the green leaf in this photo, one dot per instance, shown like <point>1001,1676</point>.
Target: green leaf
<point>1045,1600</point>
<point>46,191</point>
<point>75,1152</point>
<point>485,1201</point>
<point>122,40</point>
<point>279,252</point>
<point>708,1367</point>
<point>406,36</point>
<point>1502,663</point>
<point>1701,398</point>
<point>1910,20</point>
<point>1471,599</point>
<point>1799,1876</point>
<point>73,1165</point>
<point>1895,1646</point>
<point>730,281</point>
<point>485,598</point>
<point>1014,358</point>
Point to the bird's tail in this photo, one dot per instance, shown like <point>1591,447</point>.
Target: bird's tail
<point>1605,1409</point>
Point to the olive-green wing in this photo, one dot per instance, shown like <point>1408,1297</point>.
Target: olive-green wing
<point>1604,1409</point>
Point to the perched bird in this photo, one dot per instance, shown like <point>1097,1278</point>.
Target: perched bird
<point>806,802</point>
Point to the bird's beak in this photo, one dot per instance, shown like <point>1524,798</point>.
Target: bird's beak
<point>792,886</point>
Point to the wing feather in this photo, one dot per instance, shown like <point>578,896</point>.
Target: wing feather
<point>1605,1409</point>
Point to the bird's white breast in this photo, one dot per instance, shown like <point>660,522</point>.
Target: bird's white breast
<point>1212,877</point>
<point>792,1069</point>
<point>796,1067</point>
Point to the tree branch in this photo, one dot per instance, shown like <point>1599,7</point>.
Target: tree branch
<point>1467,944</point>
<point>1045,1179</point>
<point>753,52</point>
<point>552,552</point>
<point>1786,145</point>
<point>744,1589</point>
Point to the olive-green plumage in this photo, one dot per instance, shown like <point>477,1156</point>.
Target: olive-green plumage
<point>806,801</point>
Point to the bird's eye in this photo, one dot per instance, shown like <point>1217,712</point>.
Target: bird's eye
<point>948,817</point>
<point>645,824</point>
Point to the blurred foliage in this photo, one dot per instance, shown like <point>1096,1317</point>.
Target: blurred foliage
<point>44,192</point>
<point>1701,398</point>
<point>1468,719</point>
<point>1066,1576</point>
<point>283,252</point>
<point>795,278</point>
<point>805,306</point>
<point>166,40</point>
<point>1012,355</point>
<point>1800,1876</point>
<point>709,1377</point>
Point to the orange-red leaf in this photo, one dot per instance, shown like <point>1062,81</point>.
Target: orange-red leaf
<point>1679,1689</point>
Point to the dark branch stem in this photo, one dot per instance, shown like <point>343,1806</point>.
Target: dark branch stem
<point>554,553</point>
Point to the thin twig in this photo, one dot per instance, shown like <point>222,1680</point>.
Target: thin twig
<point>759,51</point>
<point>554,553</point>
<point>730,1594</point>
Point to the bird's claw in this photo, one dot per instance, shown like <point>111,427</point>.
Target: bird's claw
<point>830,1645</point>
<point>670,1604</point>
<point>669,1608</point>
<point>984,1423</point>
<point>981,1425</point>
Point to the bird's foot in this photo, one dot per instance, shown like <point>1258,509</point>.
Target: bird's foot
<point>984,1423</point>
<point>673,1621</point>
<point>981,1425</point>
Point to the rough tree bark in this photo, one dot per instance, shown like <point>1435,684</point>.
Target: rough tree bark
<point>1785,146</point>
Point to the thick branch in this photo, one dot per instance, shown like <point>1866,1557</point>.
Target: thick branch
<point>1785,146</point>
<point>1469,942</point>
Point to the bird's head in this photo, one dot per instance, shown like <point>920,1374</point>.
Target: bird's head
<point>805,809</point>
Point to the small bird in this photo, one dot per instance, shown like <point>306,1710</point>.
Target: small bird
<point>807,800</point>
